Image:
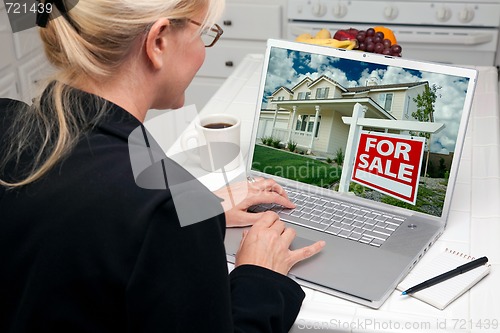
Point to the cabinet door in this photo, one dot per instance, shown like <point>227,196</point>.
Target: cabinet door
<point>201,90</point>
<point>33,74</point>
<point>225,56</point>
<point>27,41</point>
<point>8,85</point>
<point>251,21</point>
<point>6,49</point>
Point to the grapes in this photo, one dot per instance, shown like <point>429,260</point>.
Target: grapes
<point>379,47</point>
<point>395,49</point>
<point>373,41</point>
<point>361,37</point>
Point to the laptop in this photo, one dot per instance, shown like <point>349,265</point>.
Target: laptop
<point>368,147</point>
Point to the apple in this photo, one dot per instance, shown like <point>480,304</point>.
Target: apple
<point>344,34</point>
<point>353,31</point>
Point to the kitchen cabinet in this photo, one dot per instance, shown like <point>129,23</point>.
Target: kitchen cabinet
<point>247,25</point>
<point>22,61</point>
<point>8,86</point>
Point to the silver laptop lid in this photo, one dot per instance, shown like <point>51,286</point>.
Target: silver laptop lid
<point>307,97</point>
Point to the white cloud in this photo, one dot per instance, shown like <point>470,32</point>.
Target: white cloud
<point>281,70</point>
<point>319,62</point>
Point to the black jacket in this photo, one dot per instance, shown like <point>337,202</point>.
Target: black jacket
<point>85,249</point>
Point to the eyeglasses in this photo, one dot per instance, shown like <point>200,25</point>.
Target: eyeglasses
<point>211,35</point>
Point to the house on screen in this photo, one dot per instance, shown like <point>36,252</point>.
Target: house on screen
<point>310,113</point>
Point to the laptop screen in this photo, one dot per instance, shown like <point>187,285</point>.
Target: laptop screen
<point>307,125</point>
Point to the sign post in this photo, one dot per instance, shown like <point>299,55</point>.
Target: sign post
<point>352,142</point>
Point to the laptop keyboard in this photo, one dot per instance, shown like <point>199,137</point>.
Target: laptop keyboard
<point>341,219</point>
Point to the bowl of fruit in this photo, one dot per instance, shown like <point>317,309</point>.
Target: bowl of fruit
<point>377,39</point>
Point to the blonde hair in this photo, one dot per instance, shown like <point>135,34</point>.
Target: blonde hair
<point>91,46</point>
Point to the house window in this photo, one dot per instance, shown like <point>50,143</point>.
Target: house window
<point>304,95</point>
<point>322,93</point>
<point>386,101</point>
<point>305,123</point>
<point>301,123</point>
<point>280,98</point>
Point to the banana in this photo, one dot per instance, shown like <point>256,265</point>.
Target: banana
<point>323,37</point>
<point>303,37</point>
<point>342,44</point>
<point>353,45</point>
<point>323,33</point>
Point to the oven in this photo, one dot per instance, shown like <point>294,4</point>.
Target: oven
<point>448,31</point>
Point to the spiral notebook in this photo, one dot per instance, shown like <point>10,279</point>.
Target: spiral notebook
<point>442,294</point>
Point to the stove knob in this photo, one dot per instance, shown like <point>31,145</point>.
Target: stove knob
<point>466,15</point>
<point>318,9</point>
<point>391,12</point>
<point>443,14</point>
<point>339,10</point>
<point>300,9</point>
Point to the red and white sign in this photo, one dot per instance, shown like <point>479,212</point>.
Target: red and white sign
<point>389,163</point>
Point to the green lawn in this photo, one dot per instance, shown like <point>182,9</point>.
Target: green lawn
<point>293,166</point>
<point>429,200</point>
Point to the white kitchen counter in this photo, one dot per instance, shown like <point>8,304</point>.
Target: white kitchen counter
<point>474,223</point>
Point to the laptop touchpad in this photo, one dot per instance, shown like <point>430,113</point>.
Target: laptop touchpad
<point>300,242</point>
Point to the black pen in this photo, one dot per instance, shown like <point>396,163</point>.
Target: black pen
<point>445,276</point>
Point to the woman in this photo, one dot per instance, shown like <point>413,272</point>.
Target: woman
<point>82,247</point>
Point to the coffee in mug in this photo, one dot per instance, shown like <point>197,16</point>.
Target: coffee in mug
<point>217,125</point>
<point>218,142</point>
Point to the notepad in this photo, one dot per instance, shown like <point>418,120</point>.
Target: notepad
<point>442,294</point>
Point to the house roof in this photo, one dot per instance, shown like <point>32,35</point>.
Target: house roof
<point>284,88</point>
<point>342,105</point>
<point>308,79</point>
<point>326,78</point>
<point>385,86</point>
<point>352,89</point>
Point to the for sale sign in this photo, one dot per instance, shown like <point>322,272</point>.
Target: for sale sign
<point>389,163</point>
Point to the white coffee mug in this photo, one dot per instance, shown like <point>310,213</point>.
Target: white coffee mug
<point>218,142</point>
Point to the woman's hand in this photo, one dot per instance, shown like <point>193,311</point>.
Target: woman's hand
<point>267,244</point>
<point>242,195</point>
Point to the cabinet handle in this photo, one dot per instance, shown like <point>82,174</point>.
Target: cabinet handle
<point>227,22</point>
<point>229,63</point>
